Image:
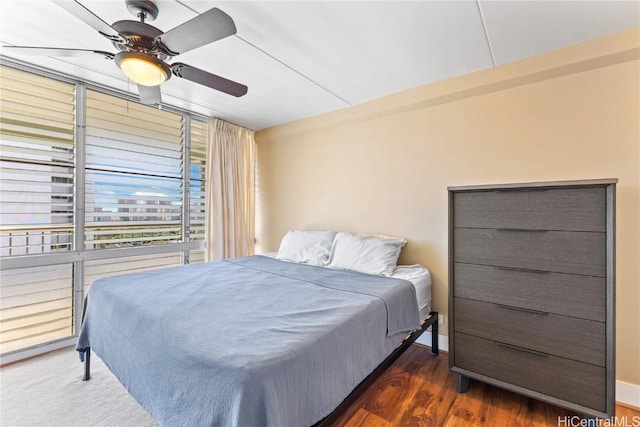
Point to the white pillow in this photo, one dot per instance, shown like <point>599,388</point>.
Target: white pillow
<point>373,254</point>
<point>306,246</point>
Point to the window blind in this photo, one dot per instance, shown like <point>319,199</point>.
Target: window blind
<point>134,170</point>
<point>36,163</point>
<point>198,181</point>
<point>99,269</point>
<point>37,122</point>
<point>197,186</point>
<point>35,306</point>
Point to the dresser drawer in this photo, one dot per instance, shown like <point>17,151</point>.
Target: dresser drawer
<point>566,294</point>
<point>577,339</point>
<point>559,251</point>
<point>571,209</point>
<point>566,379</point>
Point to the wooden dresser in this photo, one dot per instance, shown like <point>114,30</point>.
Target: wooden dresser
<point>532,290</point>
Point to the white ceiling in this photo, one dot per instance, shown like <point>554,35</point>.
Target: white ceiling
<point>301,59</point>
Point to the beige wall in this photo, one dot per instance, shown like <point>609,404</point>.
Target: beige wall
<point>384,166</point>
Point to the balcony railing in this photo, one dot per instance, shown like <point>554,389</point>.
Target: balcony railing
<point>15,241</point>
<point>30,240</point>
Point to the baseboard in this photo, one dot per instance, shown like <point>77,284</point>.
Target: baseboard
<point>425,339</point>
<point>17,356</point>
<point>627,393</point>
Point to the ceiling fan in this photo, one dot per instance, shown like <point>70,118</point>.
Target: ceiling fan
<point>144,49</point>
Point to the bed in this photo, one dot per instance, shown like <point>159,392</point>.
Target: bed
<point>251,341</point>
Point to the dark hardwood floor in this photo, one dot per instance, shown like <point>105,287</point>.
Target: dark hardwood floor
<point>419,390</point>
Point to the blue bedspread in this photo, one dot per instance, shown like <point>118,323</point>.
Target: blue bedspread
<point>245,342</point>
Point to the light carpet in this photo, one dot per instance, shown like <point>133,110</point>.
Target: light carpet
<point>48,391</point>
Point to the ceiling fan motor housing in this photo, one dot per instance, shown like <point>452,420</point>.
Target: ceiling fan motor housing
<point>139,38</point>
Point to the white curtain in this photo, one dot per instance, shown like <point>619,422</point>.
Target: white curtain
<point>230,190</point>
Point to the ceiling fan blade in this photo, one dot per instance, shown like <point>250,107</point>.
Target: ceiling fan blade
<point>85,15</point>
<point>207,79</point>
<point>149,95</point>
<point>205,28</point>
<point>55,51</point>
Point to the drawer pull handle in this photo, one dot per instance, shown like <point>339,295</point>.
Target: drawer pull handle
<point>525,350</point>
<point>526,270</point>
<point>526,310</point>
<point>528,230</point>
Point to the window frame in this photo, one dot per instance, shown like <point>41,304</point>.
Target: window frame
<point>79,255</point>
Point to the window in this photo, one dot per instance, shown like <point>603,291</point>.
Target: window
<point>36,206</point>
<point>134,171</point>
<point>198,183</point>
<point>36,164</point>
<point>127,194</point>
<point>101,268</point>
<point>37,306</point>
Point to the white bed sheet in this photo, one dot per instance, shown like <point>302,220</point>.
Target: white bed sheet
<point>418,275</point>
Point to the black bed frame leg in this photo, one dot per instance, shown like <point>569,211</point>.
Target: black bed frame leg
<point>87,364</point>
<point>434,336</point>
<point>87,350</point>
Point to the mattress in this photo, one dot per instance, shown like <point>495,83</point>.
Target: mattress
<point>419,277</point>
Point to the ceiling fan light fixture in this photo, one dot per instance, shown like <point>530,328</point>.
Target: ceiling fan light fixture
<point>142,68</point>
